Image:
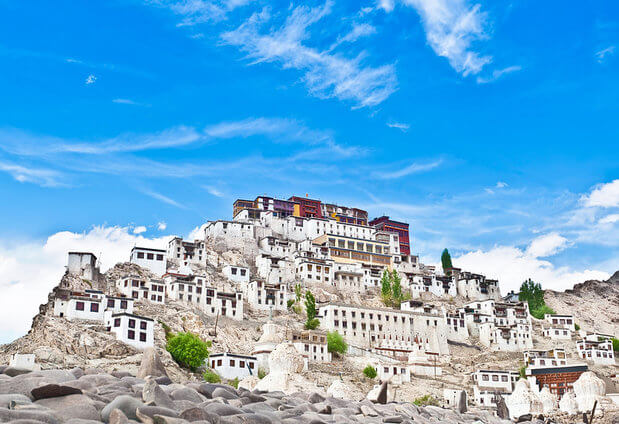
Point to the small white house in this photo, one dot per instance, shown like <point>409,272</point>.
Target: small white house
<point>396,372</point>
<point>83,264</point>
<point>487,382</point>
<point>119,304</point>
<point>132,329</point>
<point>560,321</point>
<point>312,344</point>
<point>151,259</point>
<point>600,353</point>
<point>231,365</point>
<point>238,274</point>
<point>24,361</point>
<point>557,333</point>
<point>264,296</point>
<point>79,306</point>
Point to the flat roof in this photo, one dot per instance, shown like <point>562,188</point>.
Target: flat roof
<point>131,315</point>
<point>379,309</point>
<point>553,370</point>
<point>147,248</point>
<point>234,355</point>
<point>83,253</point>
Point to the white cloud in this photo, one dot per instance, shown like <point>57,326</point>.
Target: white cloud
<point>498,73</point>
<point>511,266</point>
<point>413,168</point>
<point>121,101</point>
<point>200,11</point>
<point>139,229</point>
<point>213,191</point>
<point>163,198</point>
<point>42,177</point>
<point>386,5</point>
<point>451,28</point>
<point>602,54</point>
<point>30,269</point>
<point>326,75</point>
<point>161,226</point>
<point>359,30</point>
<point>399,125</point>
<point>501,184</point>
<point>90,79</point>
<point>546,245</point>
<point>603,195</point>
<point>197,233</point>
<point>609,219</point>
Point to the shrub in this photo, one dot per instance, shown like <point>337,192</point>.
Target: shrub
<point>541,311</point>
<point>336,343</point>
<point>167,330</point>
<point>577,327</point>
<point>426,400</point>
<point>289,303</point>
<point>370,372</point>
<point>188,350</point>
<point>523,372</point>
<point>211,376</point>
<point>615,344</point>
<point>310,309</point>
<point>261,373</point>
<point>234,383</point>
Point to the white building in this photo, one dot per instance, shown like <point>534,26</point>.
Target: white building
<point>545,358</point>
<point>139,288</point>
<point>238,274</point>
<point>560,321</point>
<point>264,296</point>
<point>83,264</point>
<point>132,329</point>
<point>477,286</point>
<point>232,365</point>
<point>396,372</point>
<point>229,229</point>
<point>312,344</point>
<point>367,327</point>
<point>82,306</point>
<point>557,333</point>
<point>193,290</point>
<point>600,353</point>
<point>310,271</point>
<point>489,382</point>
<point>152,259</point>
<point>457,330</point>
<point>185,253</point>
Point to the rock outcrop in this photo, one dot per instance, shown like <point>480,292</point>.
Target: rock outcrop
<point>588,388</point>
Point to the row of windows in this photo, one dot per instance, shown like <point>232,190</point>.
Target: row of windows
<point>232,363</point>
<point>150,256</point>
<point>94,307</point>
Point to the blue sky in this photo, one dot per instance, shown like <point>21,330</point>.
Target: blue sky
<point>489,126</point>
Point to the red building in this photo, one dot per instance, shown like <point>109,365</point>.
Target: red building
<point>308,208</point>
<point>401,228</point>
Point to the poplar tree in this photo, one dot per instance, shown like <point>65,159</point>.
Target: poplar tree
<point>446,261</point>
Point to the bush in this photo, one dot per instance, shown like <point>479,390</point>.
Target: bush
<point>426,400</point>
<point>615,344</point>
<point>577,327</point>
<point>261,373</point>
<point>289,303</point>
<point>310,309</point>
<point>188,350</point>
<point>336,343</point>
<point>312,324</point>
<point>523,372</point>
<point>211,376</point>
<point>370,372</point>
<point>541,311</point>
<point>166,330</point>
<point>234,383</point>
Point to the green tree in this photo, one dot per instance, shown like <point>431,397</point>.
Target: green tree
<point>533,294</point>
<point>396,288</point>
<point>310,309</point>
<point>446,261</point>
<point>615,344</point>
<point>370,372</point>
<point>385,282</point>
<point>336,343</point>
<point>188,350</point>
<point>298,292</point>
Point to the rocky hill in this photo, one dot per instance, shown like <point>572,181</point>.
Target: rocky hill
<point>594,304</point>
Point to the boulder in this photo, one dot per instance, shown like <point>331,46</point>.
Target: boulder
<point>339,390</point>
<point>502,410</point>
<point>519,402</point>
<point>152,394</point>
<point>53,390</point>
<point>188,394</point>
<point>549,400</point>
<point>127,405</point>
<point>7,415</point>
<point>568,403</point>
<point>117,417</point>
<point>146,414</point>
<point>249,382</point>
<point>588,388</point>
<point>71,406</point>
<point>151,364</point>
<point>379,394</point>
<point>7,400</point>
<point>284,362</point>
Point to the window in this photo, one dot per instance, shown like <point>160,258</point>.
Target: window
<point>241,364</point>
<point>503,378</point>
<point>150,256</point>
<point>131,335</point>
<point>79,306</point>
<point>94,307</point>
<point>140,255</point>
<point>232,362</point>
<point>143,325</point>
<point>110,303</point>
<point>117,322</point>
<point>142,337</point>
<point>131,323</point>
<point>159,257</point>
<point>219,362</point>
<point>495,378</point>
<point>251,365</point>
<point>123,304</point>
<point>485,377</point>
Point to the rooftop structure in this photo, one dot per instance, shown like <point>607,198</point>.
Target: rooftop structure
<point>384,223</point>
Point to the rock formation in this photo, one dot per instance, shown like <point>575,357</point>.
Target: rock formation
<point>588,388</point>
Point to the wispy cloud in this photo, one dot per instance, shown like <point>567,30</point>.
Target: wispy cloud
<point>122,101</point>
<point>163,198</point>
<point>90,79</point>
<point>161,226</point>
<point>326,75</point>
<point>359,30</point>
<point>39,176</point>
<point>603,195</point>
<point>602,54</point>
<point>451,26</point>
<point>498,74</point>
<point>399,125</point>
<point>26,144</point>
<point>213,191</point>
<point>199,11</point>
<point>139,229</point>
<point>413,168</point>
